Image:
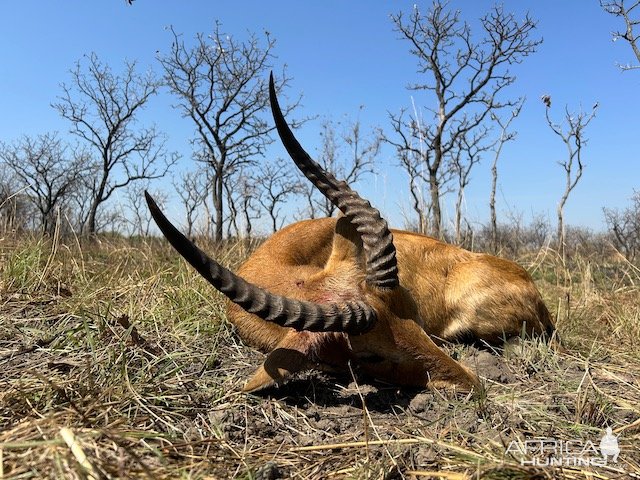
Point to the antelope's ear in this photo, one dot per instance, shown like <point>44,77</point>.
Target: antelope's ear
<point>291,355</point>
<point>347,245</point>
<point>277,367</point>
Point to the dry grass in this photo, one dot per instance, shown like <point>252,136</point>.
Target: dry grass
<point>117,363</point>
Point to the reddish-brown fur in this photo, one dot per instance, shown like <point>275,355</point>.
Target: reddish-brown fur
<point>445,294</point>
<point>349,275</point>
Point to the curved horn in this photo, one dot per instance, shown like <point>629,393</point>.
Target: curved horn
<point>377,240</point>
<point>350,317</point>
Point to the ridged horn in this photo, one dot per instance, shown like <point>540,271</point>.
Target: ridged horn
<point>349,317</point>
<point>377,240</point>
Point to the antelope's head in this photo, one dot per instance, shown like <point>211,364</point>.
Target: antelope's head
<point>357,295</point>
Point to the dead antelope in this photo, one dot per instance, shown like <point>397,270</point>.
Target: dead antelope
<point>325,292</point>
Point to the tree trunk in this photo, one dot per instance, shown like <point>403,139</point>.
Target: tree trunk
<point>90,226</point>
<point>274,223</point>
<point>45,221</point>
<point>459,215</point>
<point>561,204</point>
<point>98,198</point>
<point>434,189</point>
<point>189,225</point>
<point>218,204</point>
<point>248,227</point>
<point>492,206</point>
<point>434,183</point>
<point>560,232</point>
<point>418,207</point>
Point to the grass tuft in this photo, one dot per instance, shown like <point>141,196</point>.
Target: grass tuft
<point>117,362</point>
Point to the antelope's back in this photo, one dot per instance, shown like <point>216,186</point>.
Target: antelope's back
<point>289,256</point>
<point>458,293</point>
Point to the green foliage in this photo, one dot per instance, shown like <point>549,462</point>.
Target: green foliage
<point>22,269</point>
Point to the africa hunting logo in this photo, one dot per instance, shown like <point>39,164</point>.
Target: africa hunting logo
<point>551,452</point>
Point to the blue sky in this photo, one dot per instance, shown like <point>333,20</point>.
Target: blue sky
<point>342,55</point>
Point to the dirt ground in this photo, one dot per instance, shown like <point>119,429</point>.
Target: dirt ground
<point>122,368</point>
<point>320,426</point>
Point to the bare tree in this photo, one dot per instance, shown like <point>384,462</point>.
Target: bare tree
<point>571,132</point>
<point>243,194</point>
<point>537,234</point>
<point>233,200</point>
<point>505,136</point>
<point>359,151</point>
<point>618,8</point>
<point>278,183</point>
<point>312,207</point>
<point>468,153</point>
<point>625,227</point>
<point>8,192</point>
<point>15,208</point>
<point>136,217</point>
<point>411,161</point>
<point>362,151</point>
<point>81,200</point>
<point>465,78</point>
<point>192,190</point>
<point>250,210</point>
<point>48,171</point>
<point>328,158</point>
<point>221,85</point>
<point>102,108</point>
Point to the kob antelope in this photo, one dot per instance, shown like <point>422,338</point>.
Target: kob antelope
<point>325,292</point>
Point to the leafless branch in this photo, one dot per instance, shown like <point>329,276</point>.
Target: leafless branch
<point>277,183</point>
<point>505,136</point>
<point>192,189</point>
<point>465,78</point>
<point>48,170</point>
<point>469,152</point>
<point>571,132</point>
<point>624,226</point>
<point>102,108</point>
<point>630,13</point>
<point>342,139</point>
<point>221,85</point>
